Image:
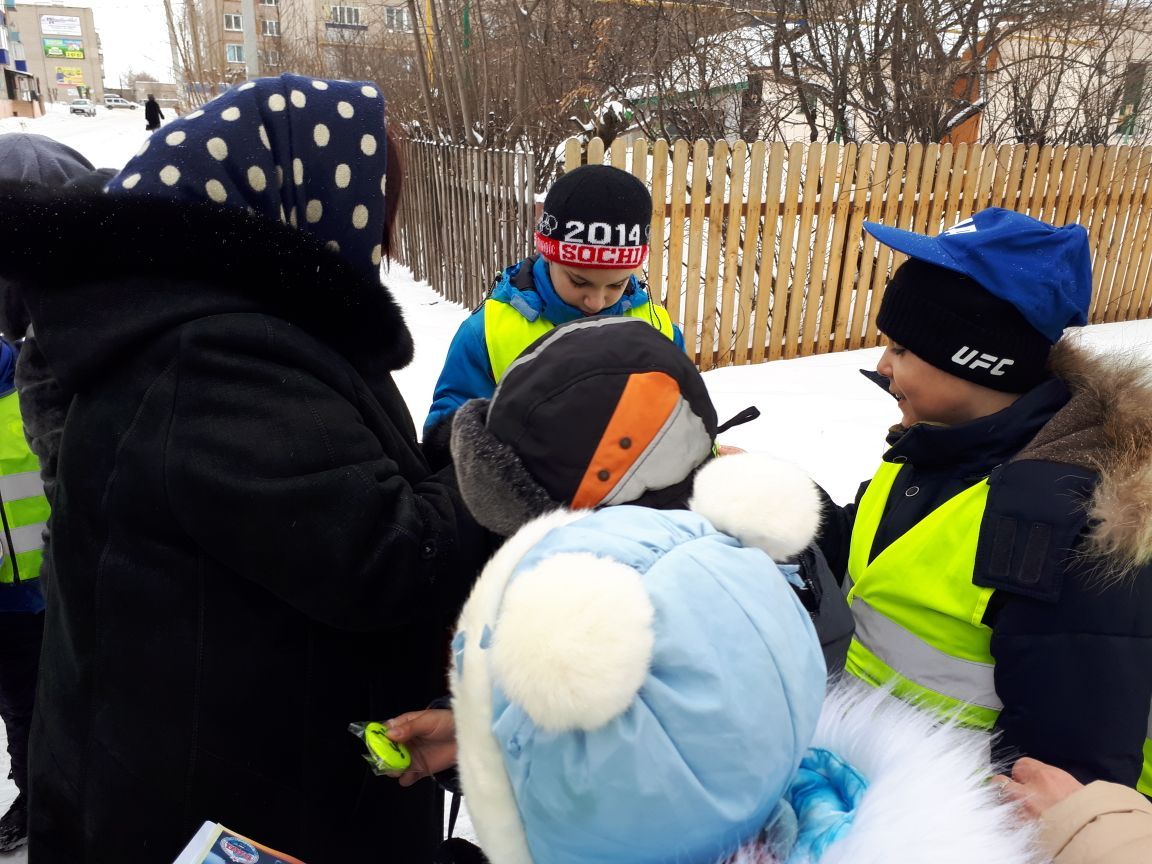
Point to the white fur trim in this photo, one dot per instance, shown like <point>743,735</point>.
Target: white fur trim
<point>928,798</point>
<point>752,854</point>
<point>761,501</point>
<point>574,641</point>
<point>481,762</point>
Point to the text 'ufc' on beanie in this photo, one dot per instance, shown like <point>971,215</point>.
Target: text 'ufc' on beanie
<point>949,321</point>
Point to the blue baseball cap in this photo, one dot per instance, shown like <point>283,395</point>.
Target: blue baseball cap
<point>1042,270</point>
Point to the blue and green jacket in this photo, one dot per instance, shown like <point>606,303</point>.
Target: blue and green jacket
<point>527,288</point>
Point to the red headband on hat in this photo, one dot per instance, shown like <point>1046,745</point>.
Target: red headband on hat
<point>590,254</point>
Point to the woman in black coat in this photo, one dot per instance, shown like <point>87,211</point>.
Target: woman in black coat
<point>250,550</point>
<point>152,113</point>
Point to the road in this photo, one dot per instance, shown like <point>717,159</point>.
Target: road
<point>108,140</point>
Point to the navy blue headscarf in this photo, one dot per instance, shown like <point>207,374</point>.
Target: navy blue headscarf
<point>304,151</point>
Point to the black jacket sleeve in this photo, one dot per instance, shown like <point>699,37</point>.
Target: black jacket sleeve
<point>280,469</point>
<point>43,406</point>
<point>835,535</point>
<point>827,606</point>
<point>1075,675</point>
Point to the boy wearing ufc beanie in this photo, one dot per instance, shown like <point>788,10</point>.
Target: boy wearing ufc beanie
<point>998,563</point>
<point>591,240</point>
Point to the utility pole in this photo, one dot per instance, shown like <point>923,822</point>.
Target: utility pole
<point>251,51</point>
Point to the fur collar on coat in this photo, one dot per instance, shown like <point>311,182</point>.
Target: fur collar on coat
<point>1106,427</point>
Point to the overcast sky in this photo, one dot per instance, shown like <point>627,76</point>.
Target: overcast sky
<point>134,35</point>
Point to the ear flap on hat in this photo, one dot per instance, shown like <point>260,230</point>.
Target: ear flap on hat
<point>500,493</point>
<point>761,501</point>
<point>574,641</point>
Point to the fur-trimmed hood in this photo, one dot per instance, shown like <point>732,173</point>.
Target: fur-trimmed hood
<point>1106,427</point>
<point>927,799</point>
<point>106,275</point>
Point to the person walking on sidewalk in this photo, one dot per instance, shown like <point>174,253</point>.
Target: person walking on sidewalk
<point>152,114</point>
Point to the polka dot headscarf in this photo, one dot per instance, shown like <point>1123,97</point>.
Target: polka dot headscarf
<point>303,151</point>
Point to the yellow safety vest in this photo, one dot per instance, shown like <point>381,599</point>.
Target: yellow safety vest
<point>507,333</point>
<point>919,618</point>
<point>23,507</point>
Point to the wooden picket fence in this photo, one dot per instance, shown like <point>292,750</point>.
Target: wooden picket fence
<point>758,250</point>
<point>465,213</point>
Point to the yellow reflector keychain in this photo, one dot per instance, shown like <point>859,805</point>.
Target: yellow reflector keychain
<point>384,755</point>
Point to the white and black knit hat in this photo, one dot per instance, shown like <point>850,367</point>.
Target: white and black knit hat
<point>596,216</point>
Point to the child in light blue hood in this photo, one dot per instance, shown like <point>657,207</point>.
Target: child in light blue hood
<point>633,685</point>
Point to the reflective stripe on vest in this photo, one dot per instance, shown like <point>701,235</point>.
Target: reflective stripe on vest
<point>919,626</point>
<point>23,507</point>
<point>1144,784</point>
<point>507,333</point>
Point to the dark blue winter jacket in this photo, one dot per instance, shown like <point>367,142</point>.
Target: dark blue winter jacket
<point>1065,543</point>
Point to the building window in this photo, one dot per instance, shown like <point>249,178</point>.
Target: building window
<point>269,2</point>
<point>271,59</point>
<point>234,22</point>
<point>1131,100</point>
<point>270,28</point>
<point>235,53</point>
<point>347,15</point>
<point>396,18</point>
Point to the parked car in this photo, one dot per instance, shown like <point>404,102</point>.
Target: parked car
<point>119,102</point>
<point>83,107</point>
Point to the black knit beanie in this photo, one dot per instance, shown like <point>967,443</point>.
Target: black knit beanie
<point>596,216</point>
<point>951,322</point>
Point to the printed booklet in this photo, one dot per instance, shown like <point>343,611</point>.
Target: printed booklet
<point>215,844</point>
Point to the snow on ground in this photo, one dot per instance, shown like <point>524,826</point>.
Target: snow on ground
<point>818,412</point>
<point>815,411</point>
<point>108,140</point>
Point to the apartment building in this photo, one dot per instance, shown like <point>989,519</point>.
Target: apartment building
<point>17,84</point>
<point>61,51</point>
<point>301,34</point>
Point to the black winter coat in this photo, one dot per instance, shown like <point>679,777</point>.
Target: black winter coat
<point>250,551</point>
<point>1066,541</point>
<point>152,114</point>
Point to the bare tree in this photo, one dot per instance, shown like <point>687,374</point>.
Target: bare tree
<point>891,70</point>
<point>1075,78</point>
<point>526,74</point>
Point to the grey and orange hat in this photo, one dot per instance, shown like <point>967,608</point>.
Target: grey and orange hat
<point>596,412</point>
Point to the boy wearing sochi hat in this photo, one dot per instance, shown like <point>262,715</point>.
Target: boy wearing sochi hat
<point>591,240</point>
<point>999,560</point>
